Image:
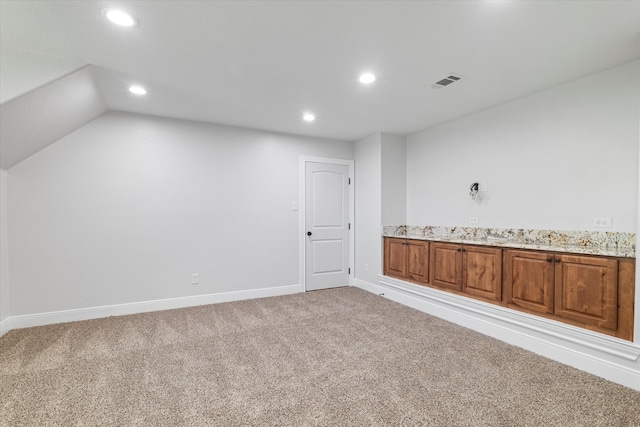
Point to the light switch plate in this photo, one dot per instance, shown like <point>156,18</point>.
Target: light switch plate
<point>473,220</point>
<point>294,206</point>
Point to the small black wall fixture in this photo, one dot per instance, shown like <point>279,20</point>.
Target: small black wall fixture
<point>474,190</point>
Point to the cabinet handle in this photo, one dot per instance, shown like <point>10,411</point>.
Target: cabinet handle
<point>459,250</point>
<point>558,260</point>
<point>549,259</point>
<point>464,250</point>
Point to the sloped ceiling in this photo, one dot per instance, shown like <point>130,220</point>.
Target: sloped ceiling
<point>261,64</point>
<point>38,118</point>
<point>22,71</point>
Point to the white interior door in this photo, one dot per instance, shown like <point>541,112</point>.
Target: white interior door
<point>326,225</point>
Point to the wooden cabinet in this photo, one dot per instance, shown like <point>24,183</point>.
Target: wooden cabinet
<point>395,257</point>
<point>407,259</point>
<point>590,291</point>
<point>586,290</point>
<point>482,272</point>
<point>446,266</point>
<point>473,270</point>
<point>529,280</point>
<point>418,261</point>
<point>593,292</point>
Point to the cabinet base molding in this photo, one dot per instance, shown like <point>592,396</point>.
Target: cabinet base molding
<point>611,358</point>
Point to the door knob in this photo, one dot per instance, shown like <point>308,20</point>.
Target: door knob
<point>309,233</point>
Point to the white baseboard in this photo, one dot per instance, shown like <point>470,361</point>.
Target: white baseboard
<point>5,326</point>
<point>607,357</point>
<point>39,319</point>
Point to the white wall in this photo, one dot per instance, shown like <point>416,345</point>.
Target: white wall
<point>394,179</point>
<point>4,259</point>
<point>555,159</point>
<point>127,207</point>
<point>368,190</point>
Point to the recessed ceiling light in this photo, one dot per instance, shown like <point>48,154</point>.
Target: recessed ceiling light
<point>119,17</point>
<point>138,90</point>
<point>367,78</point>
<point>308,117</point>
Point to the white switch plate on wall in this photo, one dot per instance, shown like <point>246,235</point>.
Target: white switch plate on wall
<point>602,222</point>
<point>473,220</point>
<point>423,219</point>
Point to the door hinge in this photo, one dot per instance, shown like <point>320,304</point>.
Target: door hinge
<point>349,270</point>
<point>349,181</point>
<point>349,226</point>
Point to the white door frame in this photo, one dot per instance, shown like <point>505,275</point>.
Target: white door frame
<point>303,226</point>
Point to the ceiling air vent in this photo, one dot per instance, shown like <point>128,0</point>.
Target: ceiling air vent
<point>451,78</point>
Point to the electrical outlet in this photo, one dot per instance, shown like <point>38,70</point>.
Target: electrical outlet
<point>483,186</point>
<point>195,278</point>
<point>602,222</point>
<point>423,219</point>
<point>473,220</point>
<point>366,267</point>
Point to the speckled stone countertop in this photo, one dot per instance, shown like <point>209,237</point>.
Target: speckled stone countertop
<point>606,243</point>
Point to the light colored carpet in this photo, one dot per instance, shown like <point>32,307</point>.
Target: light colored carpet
<point>339,357</point>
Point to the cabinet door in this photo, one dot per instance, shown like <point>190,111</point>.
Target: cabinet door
<point>626,297</point>
<point>395,257</point>
<point>528,281</point>
<point>587,290</point>
<point>482,272</point>
<point>446,266</point>
<point>418,261</point>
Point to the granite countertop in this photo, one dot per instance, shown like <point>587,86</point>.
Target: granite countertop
<point>502,243</point>
<point>589,243</point>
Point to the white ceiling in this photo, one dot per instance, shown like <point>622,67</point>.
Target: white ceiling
<point>261,64</point>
